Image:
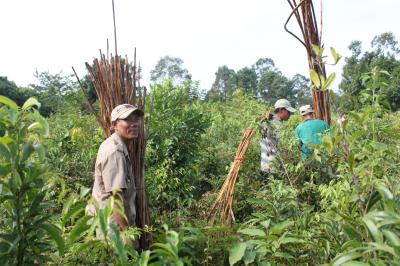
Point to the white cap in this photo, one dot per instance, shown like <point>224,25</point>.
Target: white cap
<point>122,111</point>
<point>306,109</point>
<point>283,103</point>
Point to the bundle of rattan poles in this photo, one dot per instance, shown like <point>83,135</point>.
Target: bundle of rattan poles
<point>304,13</point>
<point>116,82</point>
<point>222,208</point>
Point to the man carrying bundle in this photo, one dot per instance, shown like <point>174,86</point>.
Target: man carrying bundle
<point>113,169</point>
<point>269,141</point>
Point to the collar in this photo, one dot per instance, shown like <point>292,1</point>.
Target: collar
<point>121,146</point>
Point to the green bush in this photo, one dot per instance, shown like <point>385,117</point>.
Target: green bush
<point>175,128</point>
<point>26,229</point>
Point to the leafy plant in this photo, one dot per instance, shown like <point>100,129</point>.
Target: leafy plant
<point>26,230</point>
<point>173,146</point>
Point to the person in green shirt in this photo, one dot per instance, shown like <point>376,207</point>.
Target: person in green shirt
<point>309,131</point>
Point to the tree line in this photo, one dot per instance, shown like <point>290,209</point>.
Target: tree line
<point>263,80</point>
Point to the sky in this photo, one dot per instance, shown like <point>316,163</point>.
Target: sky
<point>55,35</point>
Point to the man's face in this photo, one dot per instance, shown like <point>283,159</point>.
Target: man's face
<point>128,128</point>
<point>284,114</point>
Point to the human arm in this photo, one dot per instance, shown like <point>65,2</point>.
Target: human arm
<point>113,171</point>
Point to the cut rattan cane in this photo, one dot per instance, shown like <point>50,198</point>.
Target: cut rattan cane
<point>222,208</point>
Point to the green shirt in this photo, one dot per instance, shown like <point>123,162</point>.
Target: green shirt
<point>309,132</point>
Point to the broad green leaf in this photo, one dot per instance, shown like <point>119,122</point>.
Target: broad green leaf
<point>236,253</point>
<point>3,172</point>
<point>16,179</point>
<point>373,229</point>
<point>172,238</point>
<point>45,125</point>
<point>7,101</point>
<point>373,198</point>
<point>266,223</point>
<point>384,191</point>
<point>346,257</point>
<point>103,219</point>
<point>88,245</point>
<point>39,148</point>
<point>384,217</point>
<point>335,55</point>
<point>278,229</point>
<point>5,152</point>
<point>319,51</point>
<point>34,126</point>
<point>30,103</point>
<point>167,249</point>
<point>286,240</point>
<point>351,244</point>
<point>118,244</point>
<point>249,257</point>
<point>351,160</point>
<point>54,233</point>
<point>327,143</point>
<point>84,191</point>
<point>391,237</point>
<point>26,152</point>
<point>252,232</point>
<point>384,248</point>
<point>80,226</point>
<point>144,258</point>
<point>384,72</point>
<point>329,81</point>
<point>355,263</point>
<point>13,116</point>
<point>6,140</point>
<point>315,78</point>
<point>73,212</point>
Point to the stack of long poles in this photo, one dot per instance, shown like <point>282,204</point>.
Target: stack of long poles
<point>222,208</point>
<point>117,82</point>
<point>304,13</point>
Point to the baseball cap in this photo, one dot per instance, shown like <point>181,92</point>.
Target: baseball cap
<point>283,103</point>
<point>122,111</point>
<point>306,109</point>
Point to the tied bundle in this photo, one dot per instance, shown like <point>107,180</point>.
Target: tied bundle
<point>222,207</point>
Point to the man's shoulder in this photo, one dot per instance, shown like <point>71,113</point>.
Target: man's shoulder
<point>321,123</point>
<point>110,147</point>
<point>300,126</point>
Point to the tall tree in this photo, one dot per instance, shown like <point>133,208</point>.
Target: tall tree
<point>11,90</point>
<point>273,86</point>
<point>301,89</point>
<point>52,89</point>
<point>246,78</point>
<point>170,68</point>
<point>223,85</point>
<point>383,55</point>
<point>263,65</point>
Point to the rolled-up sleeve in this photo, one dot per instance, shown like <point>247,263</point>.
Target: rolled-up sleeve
<point>113,171</point>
